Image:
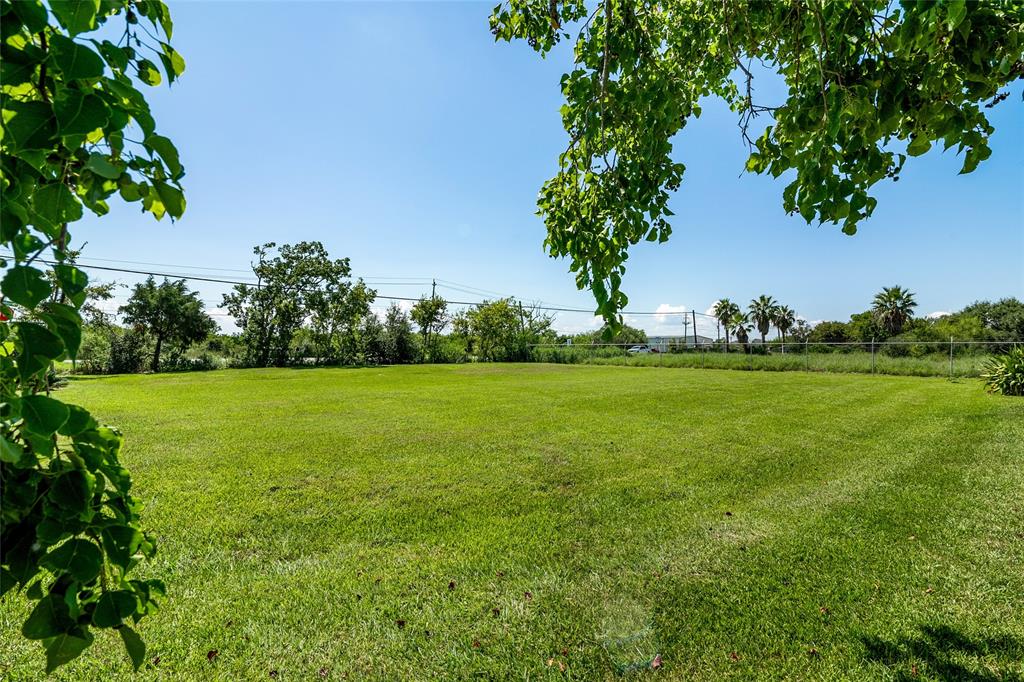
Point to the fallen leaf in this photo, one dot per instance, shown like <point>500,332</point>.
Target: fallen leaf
<point>734,656</point>
<point>211,654</point>
<point>323,672</point>
<point>156,660</point>
<point>913,670</point>
<point>561,666</point>
<point>824,610</point>
<point>496,612</point>
<point>273,674</point>
<point>476,643</point>
<point>565,652</point>
<point>812,651</point>
<point>656,662</point>
<point>527,596</point>
<point>501,574</point>
<point>929,590</point>
<point>551,662</point>
<point>400,623</point>
<point>451,585</point>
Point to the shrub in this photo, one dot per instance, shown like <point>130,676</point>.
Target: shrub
<point>127,351</point>
<point>1005,373</point>
<point>200,362</point>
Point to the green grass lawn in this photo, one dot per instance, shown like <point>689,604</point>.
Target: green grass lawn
<point>568,522</point>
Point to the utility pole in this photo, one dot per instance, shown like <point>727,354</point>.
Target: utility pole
<point>686,328</point>
<point>694,313</point>
<point>433,288</point>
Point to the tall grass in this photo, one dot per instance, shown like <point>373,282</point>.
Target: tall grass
<point>851,361</point>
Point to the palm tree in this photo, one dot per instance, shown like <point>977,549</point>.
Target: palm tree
<point>893,308</point>
<point>740,325</point>
<point>762,312</point>
<point>785,318</point>
<point>724,311</point>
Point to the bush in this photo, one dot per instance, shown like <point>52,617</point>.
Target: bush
<point>127,351</point>
<point>200,362</point>
<point>94,353</point>
<point>1005,373</point>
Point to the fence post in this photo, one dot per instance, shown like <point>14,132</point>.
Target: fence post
<point>951,357</point>
<point>872,355</point>
<point>807,356</point>
<point>702,350</point>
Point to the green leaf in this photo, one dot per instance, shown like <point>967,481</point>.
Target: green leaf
<point>72,281</point>
<point>66,647</point>
<point>28,125</point>
<point>167,151</point>
<point>148,72</point>
<point>25,285</point>
<point>48,619</point>
<point>77,16</point>
<point>78,114</point>
<point>43,415</point>
<point>32,14</point>
<point>79,420</point>
<point>956,13</point>
<point>115,56</point>
<point>65,322</point>
<point>55,204</point>
<point>38,347</point>
<point>74,60</point>
<point>10,452</point>
<point>121,542</point>
<point>919,145</point>
<point>174,63</point>
<point>78,558</point>
<point>134,645</point>
<point>171,197</point>
<point>101,166</point>
<point>114,607</point>
<point>73,491</point>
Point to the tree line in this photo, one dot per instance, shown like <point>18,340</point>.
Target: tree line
<point>305,309</point>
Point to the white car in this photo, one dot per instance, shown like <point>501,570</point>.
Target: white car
<point>639,349</point>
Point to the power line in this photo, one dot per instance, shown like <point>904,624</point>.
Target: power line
<point>217,280</point>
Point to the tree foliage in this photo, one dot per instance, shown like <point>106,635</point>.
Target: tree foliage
<point>724,311</point>
<point>763,311</point>
<point>893,308</point>
<point>502,330</point>
<point>69,528</point>
<point>622,335</point>
<point>431,316</point>
<point>868,84</point>
<point>170,313</point>
<point>296,283</point>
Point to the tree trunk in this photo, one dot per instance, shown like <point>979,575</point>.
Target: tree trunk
<point>781,331</point>
<point>727,340</point>
<point>156,353</point>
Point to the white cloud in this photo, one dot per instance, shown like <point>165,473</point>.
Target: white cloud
<point>666,309</point>
<point>711,309</point>
<point>937,314</point>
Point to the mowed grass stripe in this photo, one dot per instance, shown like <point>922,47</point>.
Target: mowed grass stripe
<point>742,525</point>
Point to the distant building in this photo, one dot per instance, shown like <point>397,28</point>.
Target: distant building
<point>664,343</point>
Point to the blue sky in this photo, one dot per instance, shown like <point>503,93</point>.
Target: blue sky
<point>401,136</point>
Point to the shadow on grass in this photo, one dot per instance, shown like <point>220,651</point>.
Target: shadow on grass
<point>941,652</point>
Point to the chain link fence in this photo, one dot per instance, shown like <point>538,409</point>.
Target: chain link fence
<point>951,358</point>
